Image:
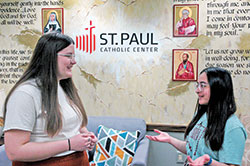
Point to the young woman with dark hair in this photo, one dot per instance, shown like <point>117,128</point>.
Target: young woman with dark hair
<point>44,118</point>
<point>215,136</point>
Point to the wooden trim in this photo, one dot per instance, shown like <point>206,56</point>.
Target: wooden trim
<point>166,128</point>
<point>1,121</point>
<point>1,125</point>
<point>1,141</point>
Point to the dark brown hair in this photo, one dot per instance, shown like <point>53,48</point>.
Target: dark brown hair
<point>220,107</point>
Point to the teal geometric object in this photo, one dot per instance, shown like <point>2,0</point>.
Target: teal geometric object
<point>115,147</point>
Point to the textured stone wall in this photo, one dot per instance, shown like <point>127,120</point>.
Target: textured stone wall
<point>137,84</point>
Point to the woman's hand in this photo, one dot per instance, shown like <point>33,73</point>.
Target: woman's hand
<point>163,137</point>
<point>204,160</point>
<point>92,138</point>
<point>199,161</point>
<point>79,142</point>
<point>93,141</point>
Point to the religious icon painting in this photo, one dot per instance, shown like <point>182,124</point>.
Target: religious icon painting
<point>52,20</point>
<point>186,20</point>
<point>185,64</point>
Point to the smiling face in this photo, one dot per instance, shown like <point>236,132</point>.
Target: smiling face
<point>64,63</point>
<point>203,89</point>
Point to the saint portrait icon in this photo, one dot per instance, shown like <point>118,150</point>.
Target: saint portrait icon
<point>186,20</point>
<point>52,20</point>
<point>185,64</point>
